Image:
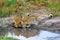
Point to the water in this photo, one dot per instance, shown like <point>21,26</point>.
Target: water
<point>29,34</point>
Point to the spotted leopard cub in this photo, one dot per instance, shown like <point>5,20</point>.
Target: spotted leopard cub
<point>17,20</point>
<point>28,19</point>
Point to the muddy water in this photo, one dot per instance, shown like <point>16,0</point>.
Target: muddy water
<point>29,34</point>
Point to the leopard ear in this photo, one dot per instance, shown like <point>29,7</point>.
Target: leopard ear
<point>28,14</point>
<point>50,16</point>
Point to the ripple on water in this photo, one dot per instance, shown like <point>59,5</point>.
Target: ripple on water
<point>29,34</point>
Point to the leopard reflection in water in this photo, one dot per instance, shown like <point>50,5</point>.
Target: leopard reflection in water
<point>29,32</point>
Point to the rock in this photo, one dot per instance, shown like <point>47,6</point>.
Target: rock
<point>52,23</point>
<point>6,22</point>
<point>43,20</point>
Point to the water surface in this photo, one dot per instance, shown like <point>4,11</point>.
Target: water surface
<point>29,34</point>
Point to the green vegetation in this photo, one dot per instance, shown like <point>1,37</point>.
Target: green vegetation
<point>7,38</point>
<point>9,7</point>
<point>55,5</point>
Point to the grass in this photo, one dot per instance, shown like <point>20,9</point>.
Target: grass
<point>3,13</point>
<point>7,38</point>
<point>54,5</point>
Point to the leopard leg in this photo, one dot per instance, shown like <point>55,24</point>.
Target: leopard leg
<point>23,24</point>
<point>16,24</point>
